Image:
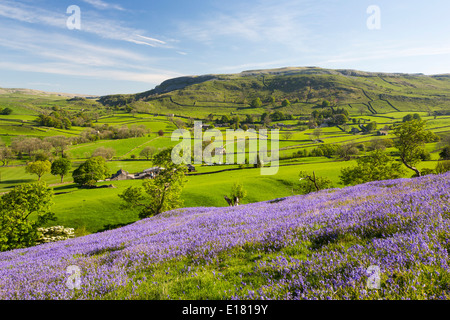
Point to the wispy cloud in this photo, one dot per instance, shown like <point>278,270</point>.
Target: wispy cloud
<point>57,53</point>
<point>380,53</point>
<point>145,75</point>
<point>102,5</point>
<point>91,23</point>
<point>267,22</point>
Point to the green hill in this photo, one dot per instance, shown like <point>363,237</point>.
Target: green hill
<point>304,87</point>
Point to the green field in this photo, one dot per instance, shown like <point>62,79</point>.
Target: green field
<point>367,97</point>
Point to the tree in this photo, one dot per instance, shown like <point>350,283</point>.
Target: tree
<point>412,137</point>
<point>444,154</point>
<point>106,153</point>
<point>371,126</point>
<point>38,168</point>
<point>161,133</point>
<point>310,183</point>
<point>340,119</point>
<point>287,135</point>
<point>249,118</point>
<point>60,143</point>
<point>61,167</point>
<point>442,166</point>
<point>6,111</point>
<point>325,104</point>
<point>376,166</point>
<point>160,194</point>
<point>410,117</point>
<point>22,211</point>
<point>5,155</point>
<point>285,103</point>
<point>346,151</point>
<point>29,145</point>
<point>89,172</point>
<point>256,103</point>
<point>317,133</point>
<point>148,152</point>
<point>138,131</point>
<point>237,194</point>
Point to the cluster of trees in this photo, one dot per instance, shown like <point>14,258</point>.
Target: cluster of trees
<point>54,120</point>
<point>276,116</point>
<point>111,132</point>
<point>412,116</point>
<point>378,164</point>
<point>118,100</point>
<point>332,116</point>
<point>64,119</point>
<point>59,167</point>
<point>34,148</point>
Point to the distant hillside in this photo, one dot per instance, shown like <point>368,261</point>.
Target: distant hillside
<point>43,93</point>
<point>304,87</point>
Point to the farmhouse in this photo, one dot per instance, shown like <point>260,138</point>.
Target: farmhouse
<point>148,173</point>
<point>121,175</point>
<point>382,133</point>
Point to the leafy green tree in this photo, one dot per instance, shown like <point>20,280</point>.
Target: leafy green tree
<point>371,126</point>
<point>237,194</point>
<point>256,103</point>
<point>285,103</point>
<point>376,166</point>
<point>38,168</point>
<point>61,167</point>
<point>311,183</point>
<point>325,104</point>
<point>22,211</point>
<point>89,172</point>
<point>225,119</point>
<point>6,111</point>
<point>412,137</point>
<point>340,119</point>
<point>410,117</point>
<point>160,194</point>
<point>445,153</point>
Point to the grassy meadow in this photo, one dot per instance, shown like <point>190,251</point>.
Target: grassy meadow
<point>383,99</point>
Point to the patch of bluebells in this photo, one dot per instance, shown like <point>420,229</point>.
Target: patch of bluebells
<point>402,226</point>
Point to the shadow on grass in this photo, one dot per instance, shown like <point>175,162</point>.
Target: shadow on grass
<point>15,182</point>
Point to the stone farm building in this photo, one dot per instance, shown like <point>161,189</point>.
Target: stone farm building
<point>146,174</point>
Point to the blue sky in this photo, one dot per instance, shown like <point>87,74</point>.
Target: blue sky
<point>132,46</point>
